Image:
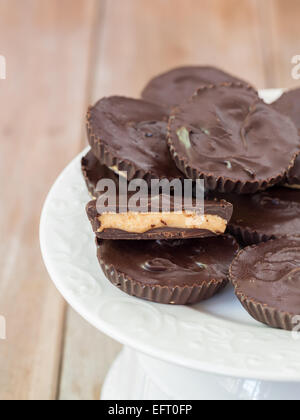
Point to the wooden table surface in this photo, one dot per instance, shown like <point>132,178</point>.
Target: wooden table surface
<point>62,55</point>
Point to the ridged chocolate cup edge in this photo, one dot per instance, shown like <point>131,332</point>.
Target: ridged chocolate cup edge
<point>176,295</point>
<point>89,185</point>
<point>267,315</point>
<point>224,184</point>
<point>248,236</point>
<point>262,313</point>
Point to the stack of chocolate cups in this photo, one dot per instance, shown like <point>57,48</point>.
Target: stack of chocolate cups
<point>200,123</point>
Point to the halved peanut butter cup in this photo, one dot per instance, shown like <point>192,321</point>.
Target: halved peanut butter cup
<point>142,223</point>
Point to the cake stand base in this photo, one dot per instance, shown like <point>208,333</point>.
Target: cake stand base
<point>134,376</point>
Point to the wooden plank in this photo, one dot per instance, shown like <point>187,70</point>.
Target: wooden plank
<point>88,355</point>
<point>282,21</point>
<point>142,38</point>
<point>47,48</point>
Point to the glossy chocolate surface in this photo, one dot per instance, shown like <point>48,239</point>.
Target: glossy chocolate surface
<point>227,132</point>
<point>171,263</point>
<point>289,105</point>
<point>175,86</point>
<point>133,132</point>
<point>270,274</point>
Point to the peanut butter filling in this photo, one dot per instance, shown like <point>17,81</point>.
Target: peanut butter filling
<point>143,222</point>
<point>118,172</point>
<point>292,186</point>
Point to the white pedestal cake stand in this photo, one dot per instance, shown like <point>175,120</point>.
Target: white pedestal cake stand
<point>213,350</point>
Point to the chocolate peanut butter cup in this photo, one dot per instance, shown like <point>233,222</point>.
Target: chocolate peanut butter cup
<point>93,171</point>
<point>266,278</point>
<point>173,87</point>
<point>144,224</point>
<point>178,272</point>
<point>229,137</point>
<point>265,215</point>
<point>289,105</point>
<point>130,135</point>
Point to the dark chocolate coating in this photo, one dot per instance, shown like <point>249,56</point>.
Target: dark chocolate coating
<point>289,105</point>
<point>131,134</point>
<point>264,215</point>
<point>177,271</point>
<point>175,86</point>
<point>212,207</point>
<point>228,136</point>
<point>171,263</point>
<point>154,234</point>
<point>93,172</point>
<point>269,274</point>
<point>293,176</point>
